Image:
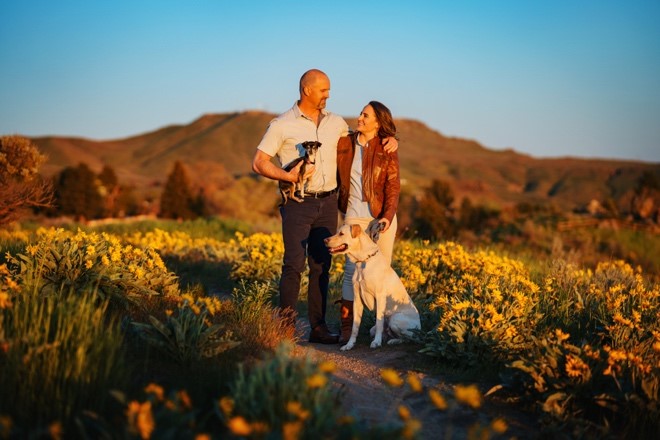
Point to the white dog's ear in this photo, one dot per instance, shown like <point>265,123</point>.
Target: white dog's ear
<point>355,230</point>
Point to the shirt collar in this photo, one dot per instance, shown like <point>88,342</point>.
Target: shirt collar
<point>298,113</point>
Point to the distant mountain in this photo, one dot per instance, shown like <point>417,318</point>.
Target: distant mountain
<point>484,175</point>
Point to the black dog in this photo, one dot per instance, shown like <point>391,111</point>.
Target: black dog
<point>289,189</point>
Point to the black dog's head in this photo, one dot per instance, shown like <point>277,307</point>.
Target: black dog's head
<point>311,147</point>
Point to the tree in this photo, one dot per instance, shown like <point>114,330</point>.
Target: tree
<point>20,184</point>
<point>433,215</point>
<point>476,218</point>
<point>78,193</point>
<point>110,190</point>
<point>177,200</point>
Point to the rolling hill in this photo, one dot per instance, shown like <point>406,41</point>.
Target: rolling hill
<point>485,175</point>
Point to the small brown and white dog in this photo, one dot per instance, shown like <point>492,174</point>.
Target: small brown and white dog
<point>288,189</point>
<point>376,286</point>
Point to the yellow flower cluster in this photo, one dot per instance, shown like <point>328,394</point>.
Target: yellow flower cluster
<point>182,245</point>
<point>481,294</point>
<point>90,258</point>
<point>212,304</point>
<point>259,256</point>
<point>15,236</point>
<point>623,305</point>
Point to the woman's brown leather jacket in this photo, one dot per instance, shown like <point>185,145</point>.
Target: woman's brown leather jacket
<point>380,176</point>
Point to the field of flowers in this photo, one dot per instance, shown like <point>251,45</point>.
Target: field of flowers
<point>100,322</point>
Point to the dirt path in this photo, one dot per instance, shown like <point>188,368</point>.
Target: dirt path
<point>369,399</point>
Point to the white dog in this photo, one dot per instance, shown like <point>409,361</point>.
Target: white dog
<point>376,286</point>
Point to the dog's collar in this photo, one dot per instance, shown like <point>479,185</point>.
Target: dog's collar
<point>368,257</point>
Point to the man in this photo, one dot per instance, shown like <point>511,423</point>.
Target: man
<point>305,225</point>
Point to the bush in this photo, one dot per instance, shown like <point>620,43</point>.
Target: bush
<point>284,395</point>
<point>63,261</point>
<point>20,185</point>
<point>188,334</point>
<point>256,322</point>
<point>486,303</point>
<point>607,365</point>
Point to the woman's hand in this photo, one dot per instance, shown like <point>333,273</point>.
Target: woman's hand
<point>385,224</point>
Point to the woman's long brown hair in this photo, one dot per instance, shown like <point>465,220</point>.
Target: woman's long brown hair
<point>386,127</point>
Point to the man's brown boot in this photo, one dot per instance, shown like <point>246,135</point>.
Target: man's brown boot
<point>346,313</point>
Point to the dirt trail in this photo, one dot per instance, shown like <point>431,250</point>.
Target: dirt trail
<point>369,399</point>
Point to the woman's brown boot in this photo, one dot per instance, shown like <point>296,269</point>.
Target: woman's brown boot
<point>346,313</point>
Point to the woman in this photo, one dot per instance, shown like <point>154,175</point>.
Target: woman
<point>369,187</point>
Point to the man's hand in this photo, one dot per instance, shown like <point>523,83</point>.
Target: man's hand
<point>390,144</point>
<point>294,174</point>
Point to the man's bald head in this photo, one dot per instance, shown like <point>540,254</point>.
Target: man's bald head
<point>310,77</point>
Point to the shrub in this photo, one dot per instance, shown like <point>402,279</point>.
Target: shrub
<point>63,261</point>
<point>188,334</point>
<point>256,322</point>
<point>284,394</point>
<point>20,185</point>
<point>608,364</point>
<point>486,303</point>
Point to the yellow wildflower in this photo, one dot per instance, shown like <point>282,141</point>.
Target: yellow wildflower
<point>5,300</point>
<point>461,305</point>
<point>575,367</point>
<point>499,426</point>
<point>89,264</point>
<point>297,410</point>
<point>414,383</point>
<point>468,395</point>
<point>55,430</point>
<point>292,430</point>
<point>391,377</point>
<point>411,428</point>
<point>239,426</point>
<point>561,336</point>
<point>140,418</point>
<point>317,380</point>
<point>184,398</point>
<point>437,399</point>
<point>156,390</point>
<point>404,412</point>
<point>226,405</point>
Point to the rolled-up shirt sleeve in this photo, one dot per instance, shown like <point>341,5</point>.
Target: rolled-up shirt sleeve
<point>272,140</point>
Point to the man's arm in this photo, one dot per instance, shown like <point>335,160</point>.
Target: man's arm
<point>261,164</point>
<point>390,144</point>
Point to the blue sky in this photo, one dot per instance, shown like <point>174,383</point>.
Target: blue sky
<point>546,78</point>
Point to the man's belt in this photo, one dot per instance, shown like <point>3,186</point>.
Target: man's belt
<point>319,195</point>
